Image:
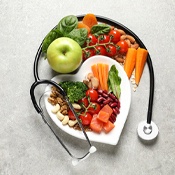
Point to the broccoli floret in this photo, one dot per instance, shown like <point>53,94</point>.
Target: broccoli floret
<point>74,90</point>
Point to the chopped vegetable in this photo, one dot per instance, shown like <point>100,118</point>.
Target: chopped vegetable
<point>82,25</point>
<point>105,70</point>
<point>90,20</point>
<point>100,74</point>
<point>108,126</point>
<point>75,90</point>
<point>130,61</point>
<point>114,81</point>
<point>140,63</point>
<point>96,125</point>
<point>94,69</point>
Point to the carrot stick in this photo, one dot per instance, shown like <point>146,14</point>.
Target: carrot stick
<point>95,70</point>
<point>90,20</point>
<point>100,73</point>
<point>82,25</point>
<point>141,58</point>
<point>105,70</point>
<point>130,61</point>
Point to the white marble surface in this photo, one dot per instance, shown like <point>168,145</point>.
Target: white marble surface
<point>26,144</point>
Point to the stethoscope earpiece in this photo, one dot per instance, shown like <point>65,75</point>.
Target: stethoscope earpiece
<point>147,132</point>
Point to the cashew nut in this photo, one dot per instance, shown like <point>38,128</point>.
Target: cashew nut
<point>56,108</point>
<point>72,122</point>
<point>76,106</point>
<point>65,120</point>
<point>60,116</point>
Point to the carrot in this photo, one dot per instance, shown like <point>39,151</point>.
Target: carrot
<point>130,61</point>
<point>82,25</point>
<point>100,73</point>
<point>141,58</point>
<point>95,70</point>
<point>90,20</point>
<point>105,70</point>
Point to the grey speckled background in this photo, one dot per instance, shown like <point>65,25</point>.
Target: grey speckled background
<point>26,144</point>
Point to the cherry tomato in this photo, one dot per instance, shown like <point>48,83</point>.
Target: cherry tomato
<point>100,50</point>
<point>93,94</point>
<point>115,36</point>
<point>91,39</point>
<point>71,115</point>
<point>123,46</point>
<point>86,118</point>
<point>104,39</point>
<point>94,108</point>
<point>88,53</point>
<point>84,101</point>
<point>111,50</point>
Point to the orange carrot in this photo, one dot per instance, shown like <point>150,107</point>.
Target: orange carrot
<point>82,25</point>
<point>141,58</point>
<point>90,20</point>
<point>130,61</point>
<point>105,70</point>
<point>100,73</point>
<point>95,70</point>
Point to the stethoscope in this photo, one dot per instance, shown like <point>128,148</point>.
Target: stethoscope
<point>147,130</point>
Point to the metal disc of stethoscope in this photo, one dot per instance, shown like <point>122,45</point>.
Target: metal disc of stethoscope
<point>147,132</point>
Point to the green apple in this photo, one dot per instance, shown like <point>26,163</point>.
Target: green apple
<point>64,55</point>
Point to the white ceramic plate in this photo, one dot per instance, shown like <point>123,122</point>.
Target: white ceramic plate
<point>125,100</point>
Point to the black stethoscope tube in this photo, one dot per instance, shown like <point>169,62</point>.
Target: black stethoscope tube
<point>35,67</point>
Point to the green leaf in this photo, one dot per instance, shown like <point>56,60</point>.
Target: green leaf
<point>67,24</point>
<point>78,35</point>
<point>50,37</point>
<point>100,29</point>
<point>114,81</point>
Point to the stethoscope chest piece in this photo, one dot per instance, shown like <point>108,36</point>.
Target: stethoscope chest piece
<point>147,132</point>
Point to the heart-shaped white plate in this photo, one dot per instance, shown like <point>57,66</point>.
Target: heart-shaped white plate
<point>125,100</point>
